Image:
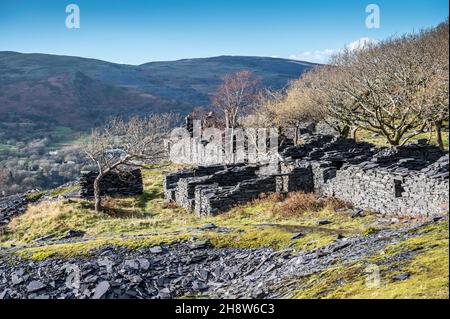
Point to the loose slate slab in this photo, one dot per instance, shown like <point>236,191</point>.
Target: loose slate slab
<point>297,235</point>
<point>101,289</point>
<point>200,244</point>
<point>35,285</point>
<point>156,250</point>
<point>402,277</point>
<point>323,222</point>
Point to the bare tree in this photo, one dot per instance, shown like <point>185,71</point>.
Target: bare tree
<point>436,44</point>
<point>236,96</point>
<point>121,143</point>
<point>296,107</point>
<point>385,85</point>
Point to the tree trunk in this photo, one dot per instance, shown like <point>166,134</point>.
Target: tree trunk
<point>439,141</point>
<point>227,119</point>
<point>97,194</point>
<point>353,133</point>
<point>430,137</point>
<point>394,142</point>
<point>343,132</point>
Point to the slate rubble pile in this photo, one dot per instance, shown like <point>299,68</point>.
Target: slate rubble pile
<point>12,206</point>
<point>186,269</point>
<point>15,205</point>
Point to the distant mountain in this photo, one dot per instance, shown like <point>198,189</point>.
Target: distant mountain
<point>80,92</point>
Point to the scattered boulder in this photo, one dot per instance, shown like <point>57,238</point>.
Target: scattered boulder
<point>208,227</point>
<point>184,269</point>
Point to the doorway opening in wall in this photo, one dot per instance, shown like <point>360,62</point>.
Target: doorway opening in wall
<point>398,187</point>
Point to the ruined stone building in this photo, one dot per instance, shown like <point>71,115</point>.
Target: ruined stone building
<point>407,180</point>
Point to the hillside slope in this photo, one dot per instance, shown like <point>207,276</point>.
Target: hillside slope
<point>274,247</point>
<point>79,92</point>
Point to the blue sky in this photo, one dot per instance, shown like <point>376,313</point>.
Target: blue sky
<point>135,32</point>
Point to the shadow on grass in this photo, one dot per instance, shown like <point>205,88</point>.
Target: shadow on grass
<point>149,195</point>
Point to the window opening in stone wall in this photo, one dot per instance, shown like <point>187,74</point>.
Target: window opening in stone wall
<point>398,187</point>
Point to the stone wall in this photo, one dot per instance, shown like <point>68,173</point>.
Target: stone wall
<point>170,182</point>
<point>390,192</point>
<point>214,199</point>
<point>296,177</point>
<point>409,180</point>
<point>113,184</point>
<point>184,193</point>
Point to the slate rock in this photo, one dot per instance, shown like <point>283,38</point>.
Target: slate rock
<point>323,222</point>
<point>198,285</point>
<point>297,235</point>
<point>4,294</point>
<point>156,250</point>
<point>437,219</point>
<point>74,233</point>
<point>208,226</point>
<point>133,264</point>
<point>200,244</point>
<point>106,263</point>
<point>358,213</point>
<point>144,264</point>
<point>15,279</point>
<point>401,277</point>
<point>35,285</point>
<point>340,236</point>
<point>101,289</point>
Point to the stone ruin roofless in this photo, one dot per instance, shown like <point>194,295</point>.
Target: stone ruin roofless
<point>407,180</point>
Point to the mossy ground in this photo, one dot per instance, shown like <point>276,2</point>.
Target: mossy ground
<point>147,220</point>
<point>427,267</point>
<point>35,196</point>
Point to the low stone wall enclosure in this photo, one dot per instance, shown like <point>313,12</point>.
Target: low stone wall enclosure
<point>113,184</point>
<point>407,180</point>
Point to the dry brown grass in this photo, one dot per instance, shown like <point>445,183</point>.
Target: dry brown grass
<point>273,197</point>
<point>296,204</point>
<point>119,209</point>
<point>169,205</point>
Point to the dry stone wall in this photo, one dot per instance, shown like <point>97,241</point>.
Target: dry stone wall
<point>384,191</point>
<point>214,199</point>
<point>113,184</point>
